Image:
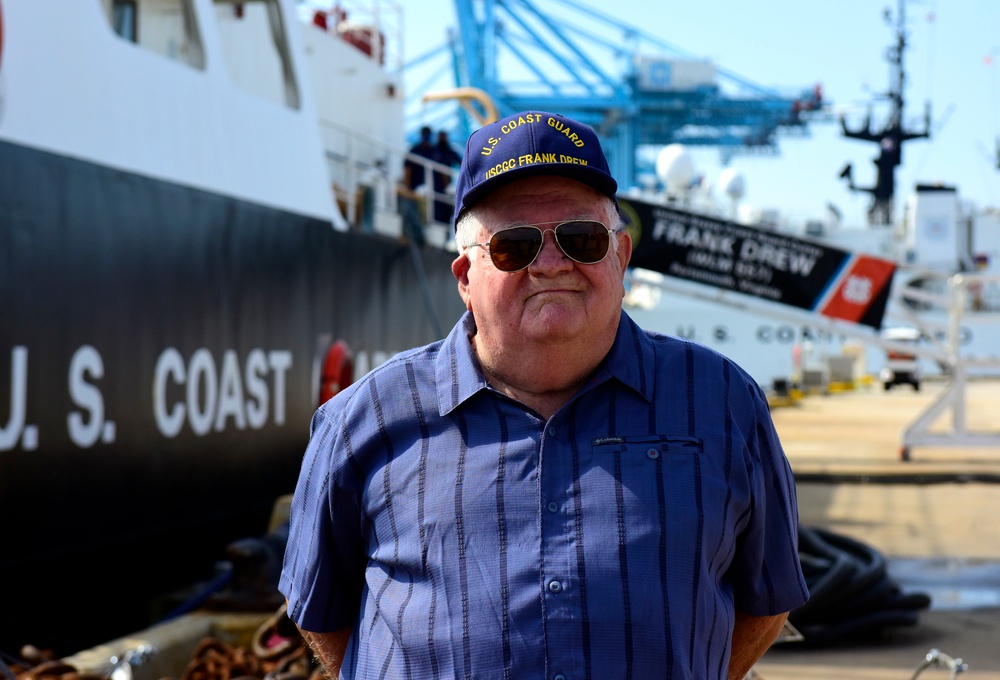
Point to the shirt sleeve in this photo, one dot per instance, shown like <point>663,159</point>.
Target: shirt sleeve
<point>767,572</point>
<point>323,572</point>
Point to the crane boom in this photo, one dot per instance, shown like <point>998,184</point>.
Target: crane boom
<point>639,90</point>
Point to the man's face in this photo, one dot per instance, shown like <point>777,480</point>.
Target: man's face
<point>555,299</point>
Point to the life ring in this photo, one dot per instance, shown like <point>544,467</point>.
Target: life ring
<point>338,371</point>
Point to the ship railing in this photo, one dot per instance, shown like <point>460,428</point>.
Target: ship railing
<point>366,175</point>
<point>982,286</point>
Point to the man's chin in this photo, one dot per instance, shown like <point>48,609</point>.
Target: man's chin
<point>554,323</point>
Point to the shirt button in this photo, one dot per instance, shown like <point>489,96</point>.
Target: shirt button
<point>553,506</point>
<point>555,587</point>
<point>552,430</point>
<point>653,454</point>
<point>559,676</point>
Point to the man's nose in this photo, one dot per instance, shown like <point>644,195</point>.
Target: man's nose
<point>551,256</point>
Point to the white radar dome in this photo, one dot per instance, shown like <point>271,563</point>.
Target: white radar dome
<point>675,167</point>
<point>732,183</point>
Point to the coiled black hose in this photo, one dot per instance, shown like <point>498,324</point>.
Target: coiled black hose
<point>852,597</point>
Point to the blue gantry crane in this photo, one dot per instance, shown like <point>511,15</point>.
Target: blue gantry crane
<point>637,90</point>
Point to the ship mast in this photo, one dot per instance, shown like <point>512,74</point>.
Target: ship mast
<point>892,136</point>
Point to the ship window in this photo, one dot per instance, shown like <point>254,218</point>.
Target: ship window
<point>123,14</point>
<point>167,27</point>
<point>255,44</point>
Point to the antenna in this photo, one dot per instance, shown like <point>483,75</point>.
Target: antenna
<point>893,135</point>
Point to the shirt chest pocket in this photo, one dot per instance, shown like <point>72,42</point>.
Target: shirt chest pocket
<point>648,461</point>
<point>651,447</point>
<point>650,480</point>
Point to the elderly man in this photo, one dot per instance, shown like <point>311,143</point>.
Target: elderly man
<point>549,492</point>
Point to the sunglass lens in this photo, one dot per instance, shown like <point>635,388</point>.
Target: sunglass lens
<point>585,241</point>
<point>514,249</point>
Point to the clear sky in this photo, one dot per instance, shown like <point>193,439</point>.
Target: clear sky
<point>953,61</point>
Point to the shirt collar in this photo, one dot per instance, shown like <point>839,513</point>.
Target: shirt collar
<point>631,360</point>
<point>458,376</point>
<point>456,370</point>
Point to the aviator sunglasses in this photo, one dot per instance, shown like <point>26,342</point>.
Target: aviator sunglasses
<point>515,248</point>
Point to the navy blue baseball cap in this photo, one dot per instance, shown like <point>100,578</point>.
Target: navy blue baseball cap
<point>526,144</point>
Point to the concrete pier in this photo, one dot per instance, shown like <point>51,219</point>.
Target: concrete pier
<point>935,517</point>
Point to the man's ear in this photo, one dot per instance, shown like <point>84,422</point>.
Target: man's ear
<point>460,269</point>
<point>624,251</point>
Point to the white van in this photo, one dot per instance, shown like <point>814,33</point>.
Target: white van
<point>900,366</point>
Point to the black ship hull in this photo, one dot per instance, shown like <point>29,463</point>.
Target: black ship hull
<point>160,354</point>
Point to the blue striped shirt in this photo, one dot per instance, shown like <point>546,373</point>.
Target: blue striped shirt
<point>459,534</point>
